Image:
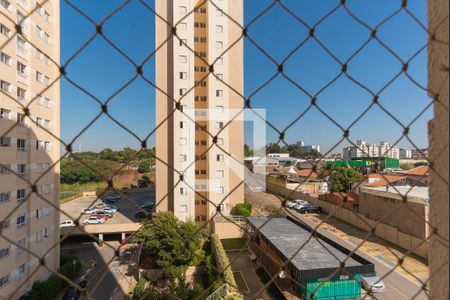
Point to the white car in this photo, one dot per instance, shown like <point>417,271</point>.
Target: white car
<point>371,282</point>
<point>88,211</point>
<point>291,204</point>
<point>108,210</point>
<point>67,223</point>
<point>93,221</point>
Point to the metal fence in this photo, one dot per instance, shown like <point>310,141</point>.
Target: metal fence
<point>377,106</point>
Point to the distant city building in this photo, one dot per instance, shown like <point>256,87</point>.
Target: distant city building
<point>278,155</point>
<point>308,148</point>
<point>405,153</point>
<point>419,154</point>
<point>363,149</point>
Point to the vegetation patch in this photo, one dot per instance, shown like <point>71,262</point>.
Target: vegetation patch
<point>272,289</point>
<point>224,262</point>
<point>233,244</point>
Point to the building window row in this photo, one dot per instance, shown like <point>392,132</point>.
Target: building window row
<point>200,172</point>
<point>5,4</point>
<point>41,11</point>
<point>22,169</point>
<point>4,280</point>
<point>202,218</point>
<point>43,57</point>
<point>21,144</point>
<point>201,202</point>
<point>43,35</point>
<point>5,30</point>
<point>201,98</point>
<point>199,25</point>
<point>5,252</point>
<point>200,10</point>
<point>200,39</point>
<point>201,143</point>
<point>200,69</point>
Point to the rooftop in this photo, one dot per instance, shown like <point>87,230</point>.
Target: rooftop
<point>317,254</point>
<point>419,171</point>
<point>415,194</point>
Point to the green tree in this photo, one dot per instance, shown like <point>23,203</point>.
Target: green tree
<point>128,154</point>
<point>247,151</point>
<point>109,154</point>
<point>146,154</point>
<point>145,166</point>
<point>167,238</point>
<point>341,178</point>
<point>295,151</point>
<point>244,209</point>
<point>274,148</point>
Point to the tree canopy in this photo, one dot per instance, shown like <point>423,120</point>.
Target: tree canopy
<point>341,179</point>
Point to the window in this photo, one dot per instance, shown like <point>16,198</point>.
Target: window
<point>220,190</point>
<point>219,28</point>
<point>5,142</point>
<point>219,45</point>
<point>4,170</point>
<point>183,158</point>
<point>5,4</point>
<point>183,125</point>
<point>219,12</point>
<point>21,221</point>
<point>219,157</point>
<point>39,31</point>
<point>5,280</point>
<point>5,197</point>
<point>183,42</point>
<point>39,236</point>
<point>21,44</point>
<point>21,145</point>
<point>220,174</point>
<point>47,232</point>
<point>183,92</point>
<point>182,59</point>
<point>182,26</point>
<point>220,142</point>
<point>47,38</point>
<point>21,246</point>
<point>39,76</point>
<point>182,10</point>
<point>5,224</point>
<point>219,76</point>
<point>19,17</point>
<point>183,75</point>
<point>21,270</point>
<point>40,145</point>
<point>183,141</point>
<point>21,94</point>
<point>21,69</point>
<point>5,252</point>
<point>4,58</point>
<point>21,169</point>
<point>4,30</point>
<point>219,93</point>
<point>47,146</point>
<point>219,109</point>
<point>219,61</point>
<point>219,125</point>
<point>21,119</point>
<point>5,86</point>
<point>5,114</point>
<point>40,122</point>
<point>21,194</point>
<point>183,209</point>
<point>183,191</point>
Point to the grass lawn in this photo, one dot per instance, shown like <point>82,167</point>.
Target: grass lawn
<point>70,192</point>
<point>233,244</point>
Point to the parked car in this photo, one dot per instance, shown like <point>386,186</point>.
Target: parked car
<point>310,209</point>
<point>88,211</point>
<point>67,223</point>
<point>100,212</point>
<point>73,293</point>
<point>291,204</point>
<point>93,220</point>
<point>108,210</point>
<point>141,215</point>
<point>115,207</point>
<point>300,205</point>
<point>372,282</point>
<point>148,207</point>
<point>112,198</point>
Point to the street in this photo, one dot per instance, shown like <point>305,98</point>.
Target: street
<point>107,280</point>
<point>398,286</point>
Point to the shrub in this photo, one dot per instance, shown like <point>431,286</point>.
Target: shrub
<point>224,262</point>
<point>244,209</point>
<point>145,166</point>
<point>274,211</point>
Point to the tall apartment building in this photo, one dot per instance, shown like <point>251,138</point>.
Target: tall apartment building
<point>207,30</point>
<point>27,151</point>
<point>363,149</point>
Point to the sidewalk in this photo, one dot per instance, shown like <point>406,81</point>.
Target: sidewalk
<point>375,247</point>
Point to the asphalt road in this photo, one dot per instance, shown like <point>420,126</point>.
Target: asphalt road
<point>107,280</point>
<point>398,287</point>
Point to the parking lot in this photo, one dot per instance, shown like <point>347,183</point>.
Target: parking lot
<point>128,208</point>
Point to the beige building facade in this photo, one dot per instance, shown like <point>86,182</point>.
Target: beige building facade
<point>28,149</point>
<point>200,164</point>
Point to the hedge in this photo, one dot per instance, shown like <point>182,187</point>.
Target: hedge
<point>244,209</point>
<point>224,262</point>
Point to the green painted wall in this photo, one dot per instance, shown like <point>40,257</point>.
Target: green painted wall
<point>333,289</point>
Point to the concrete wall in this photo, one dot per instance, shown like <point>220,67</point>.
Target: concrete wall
<point>228,230</point>
<point>408,217</point>
<point>438,134</point>
<point>386,232</point>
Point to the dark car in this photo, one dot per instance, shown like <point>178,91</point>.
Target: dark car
<point>142,215</point>
<point>73,293</point>
<point>310,209</point>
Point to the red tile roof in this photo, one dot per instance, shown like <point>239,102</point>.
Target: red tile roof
<point>419,171</point>
<point>307,173</point>
<point>385,180</point>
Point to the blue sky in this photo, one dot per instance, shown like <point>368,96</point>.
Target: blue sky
<point>102,70</point>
